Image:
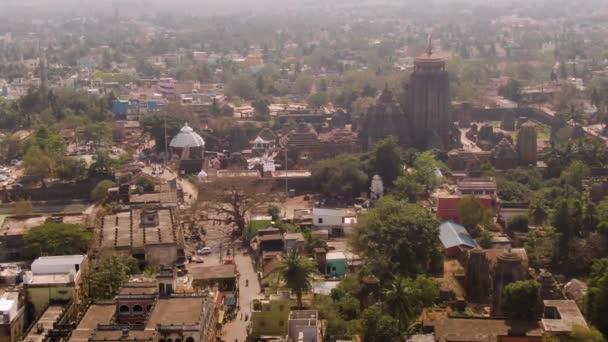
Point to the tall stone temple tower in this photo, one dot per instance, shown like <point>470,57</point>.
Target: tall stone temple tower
<point>526,144</point>
<point>509,269</point>
<point>478,281</point>
<point>428,103</point>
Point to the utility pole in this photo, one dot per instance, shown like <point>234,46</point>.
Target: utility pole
<point>221,256</point>
<point>286,177</point>
<point>166,143</point>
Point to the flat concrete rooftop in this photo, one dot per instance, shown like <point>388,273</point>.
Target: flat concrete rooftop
<point>123,229</point>
<point>176,311</point>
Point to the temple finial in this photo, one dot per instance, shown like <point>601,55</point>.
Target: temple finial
<point>429,47</point>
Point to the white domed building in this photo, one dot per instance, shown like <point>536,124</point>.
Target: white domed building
<point>189,147</point>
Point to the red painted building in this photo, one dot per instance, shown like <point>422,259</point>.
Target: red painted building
<point>135,301</point>
<point>448,206</point>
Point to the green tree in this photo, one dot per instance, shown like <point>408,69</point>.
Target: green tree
<point>518,223</point>
<point>406,297</point>
<point>37,164</point>
<point>541,245</point>
<point>297,271</point>
<point>511,91</point>
<point>597,295</point>
<point>584,334</point>
<point>99,194</point>
<point>397,238</point>
<point>407,188</point>
<point>108,274</point>
<point>103,164</point>
<point>387,160</point>
<point>521,300</point>
<point>426,166</point>
<point>563,222</point>
<point>261,107</point>
<point>473,214</point>
<point>71,169</point>
<point>317,100</point>
<point>339,176</point>
<point>376,326</point>
<point>485,239</point>
<point>155,125</point>
<point>574,174</point>
<point>537,211</point>
<point>243,87</point>
<point>57,239</point>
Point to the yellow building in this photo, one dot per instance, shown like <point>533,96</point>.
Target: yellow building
<point>269,316</point>
<point>55,279</point>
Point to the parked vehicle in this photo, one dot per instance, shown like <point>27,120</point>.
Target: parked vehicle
<point>204,251</point>
<point>198,259</point>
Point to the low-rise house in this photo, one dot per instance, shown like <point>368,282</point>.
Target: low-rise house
<point>12,313</point>
<point>455,238</point>
<point>269,316</point>
<point>55,279</point>
<point>304,325</point>
<point>293,241</point>
<point>224,276</point>
<point>336,263</point>
<point>338,222</point>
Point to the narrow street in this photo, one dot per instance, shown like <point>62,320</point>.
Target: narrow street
<point>237,329</point>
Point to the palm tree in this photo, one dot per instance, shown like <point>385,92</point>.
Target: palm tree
<point>296,271</point>
<point>538,212</point>
<point>399,300</point>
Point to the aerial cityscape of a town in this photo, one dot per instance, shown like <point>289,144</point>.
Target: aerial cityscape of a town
<point>304,171</point>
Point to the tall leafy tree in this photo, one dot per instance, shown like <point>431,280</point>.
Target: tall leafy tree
<point>387,160</point>
<point>407,188</point>
<point>597,295</point>
<point>473,215</point>
<point>108,274</point>
<point>339,176</point>
<point>538,212</point>
<point>397,238</point>
<point>521,300</point>
<point>57,239</point>
<point>377,326</point>
<point>426,166</point>
<point>405,297</point>
<point>37,164</point>
<point>297,271</point>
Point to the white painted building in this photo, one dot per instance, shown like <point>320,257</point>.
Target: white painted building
<point>337,222</point>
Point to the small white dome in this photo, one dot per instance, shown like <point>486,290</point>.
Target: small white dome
<point>187,138</point>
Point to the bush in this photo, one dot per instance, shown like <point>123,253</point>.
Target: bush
<point>518,223</point>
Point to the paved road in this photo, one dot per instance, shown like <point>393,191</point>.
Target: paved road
<point>237,329</point>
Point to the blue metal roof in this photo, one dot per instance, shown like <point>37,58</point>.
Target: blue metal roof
<point>452,235</point>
